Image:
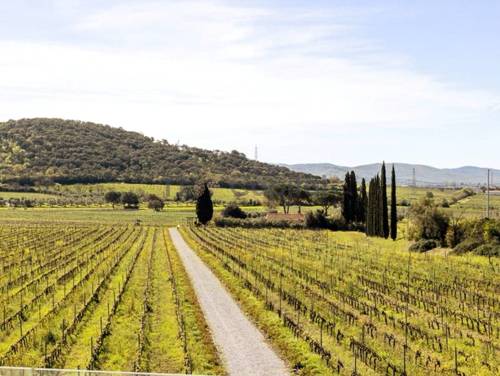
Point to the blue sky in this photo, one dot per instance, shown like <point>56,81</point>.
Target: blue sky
<point>346,82</point>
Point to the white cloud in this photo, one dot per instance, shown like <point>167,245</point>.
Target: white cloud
<point>209,73</point>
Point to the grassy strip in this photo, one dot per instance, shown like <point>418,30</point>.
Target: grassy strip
<point>202,351</point>
<point>119,349</point>
<point>295,351</point>
<point>163,349</point>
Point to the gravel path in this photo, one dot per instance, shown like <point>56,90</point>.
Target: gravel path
<point>242,346</point>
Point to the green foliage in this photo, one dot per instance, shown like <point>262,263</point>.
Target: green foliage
<point>204,206</point>
<point>66,151</point>
<point>233,211</point>
<point>155,203</point>
<point>428,221</point>
<point>186,193</point>
<point>130,200</point>
<point>490,250</point>
<point>424,245</point>
<point>259,222</point>
<point>327,199</point>
<point>492,231</point>
<point>468,245</point>
<point>284,195</point>
<point>113,197</point>
<point>317,219</point>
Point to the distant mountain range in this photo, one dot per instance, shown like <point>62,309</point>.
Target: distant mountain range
<point>424,175</point>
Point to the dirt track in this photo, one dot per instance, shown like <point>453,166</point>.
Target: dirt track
<point>242,346</point>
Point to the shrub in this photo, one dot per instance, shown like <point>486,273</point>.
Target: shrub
<point>490,250</point>
<point>445,203</point>
<point>468,245</point>
<point>492,231</point>
<point>428,222</point>
<point>454,235</point>
<point>424,245</point>
<point>317,219</point>
<point>156,204</point>
<point>130,200</point>
<point>233,211</point>
<point>260,222</point>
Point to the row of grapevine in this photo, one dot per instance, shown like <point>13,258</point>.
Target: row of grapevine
<point>90,296</point>
<point>365,309</point>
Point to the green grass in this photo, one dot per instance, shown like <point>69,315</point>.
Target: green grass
<point>171,216</point>
<point>27,195</point>
<point>167,192</point>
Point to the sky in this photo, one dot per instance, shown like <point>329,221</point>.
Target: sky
<point>344,82</point>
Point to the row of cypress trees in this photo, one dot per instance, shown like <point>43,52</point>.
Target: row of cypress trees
<point>378,222</point>
<point>372,208</point>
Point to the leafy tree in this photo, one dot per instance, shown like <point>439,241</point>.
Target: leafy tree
<point>130,200</point>
<point>204,206</point>
<point>186,193</point>
<point>113,198</point>
<point>155,203</point>
<point>394,208</point>
<point>283,195</point>
<point>302,197</point>
<point>428,221</point>
<point>327,199</point>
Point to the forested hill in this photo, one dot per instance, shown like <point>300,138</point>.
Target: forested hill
<point>67,151</point>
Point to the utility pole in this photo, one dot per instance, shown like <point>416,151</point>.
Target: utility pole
<point>488,196</point>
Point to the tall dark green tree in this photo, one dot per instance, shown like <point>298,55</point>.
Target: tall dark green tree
<point>385,209</point>
<point>204,206</point>
<point>394,209</point>
<point>373,212</point>
<point>353,189</point>
<point>369,210</point>
<point>347,211</point>
<point>363,202</point>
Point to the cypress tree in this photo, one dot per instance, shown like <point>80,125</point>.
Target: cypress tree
<point>363,200</point>
<point>354,197</point>
<point>385,209</point>
<point>379,217</point>
<point>394,213</point>
<point>369,211</point>
<point>346,201</point>
<point>204,206</point>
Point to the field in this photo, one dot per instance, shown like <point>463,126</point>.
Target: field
<point>476,206</point>
<point>167,192</point>
<point>112,297</point>
<point>343,303</point>
<point>172,215</point>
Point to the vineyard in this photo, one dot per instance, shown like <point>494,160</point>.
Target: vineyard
<point>111,297</point>
<point>341,303</point>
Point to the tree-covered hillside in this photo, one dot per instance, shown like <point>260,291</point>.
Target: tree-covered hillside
<point>67,151</point>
